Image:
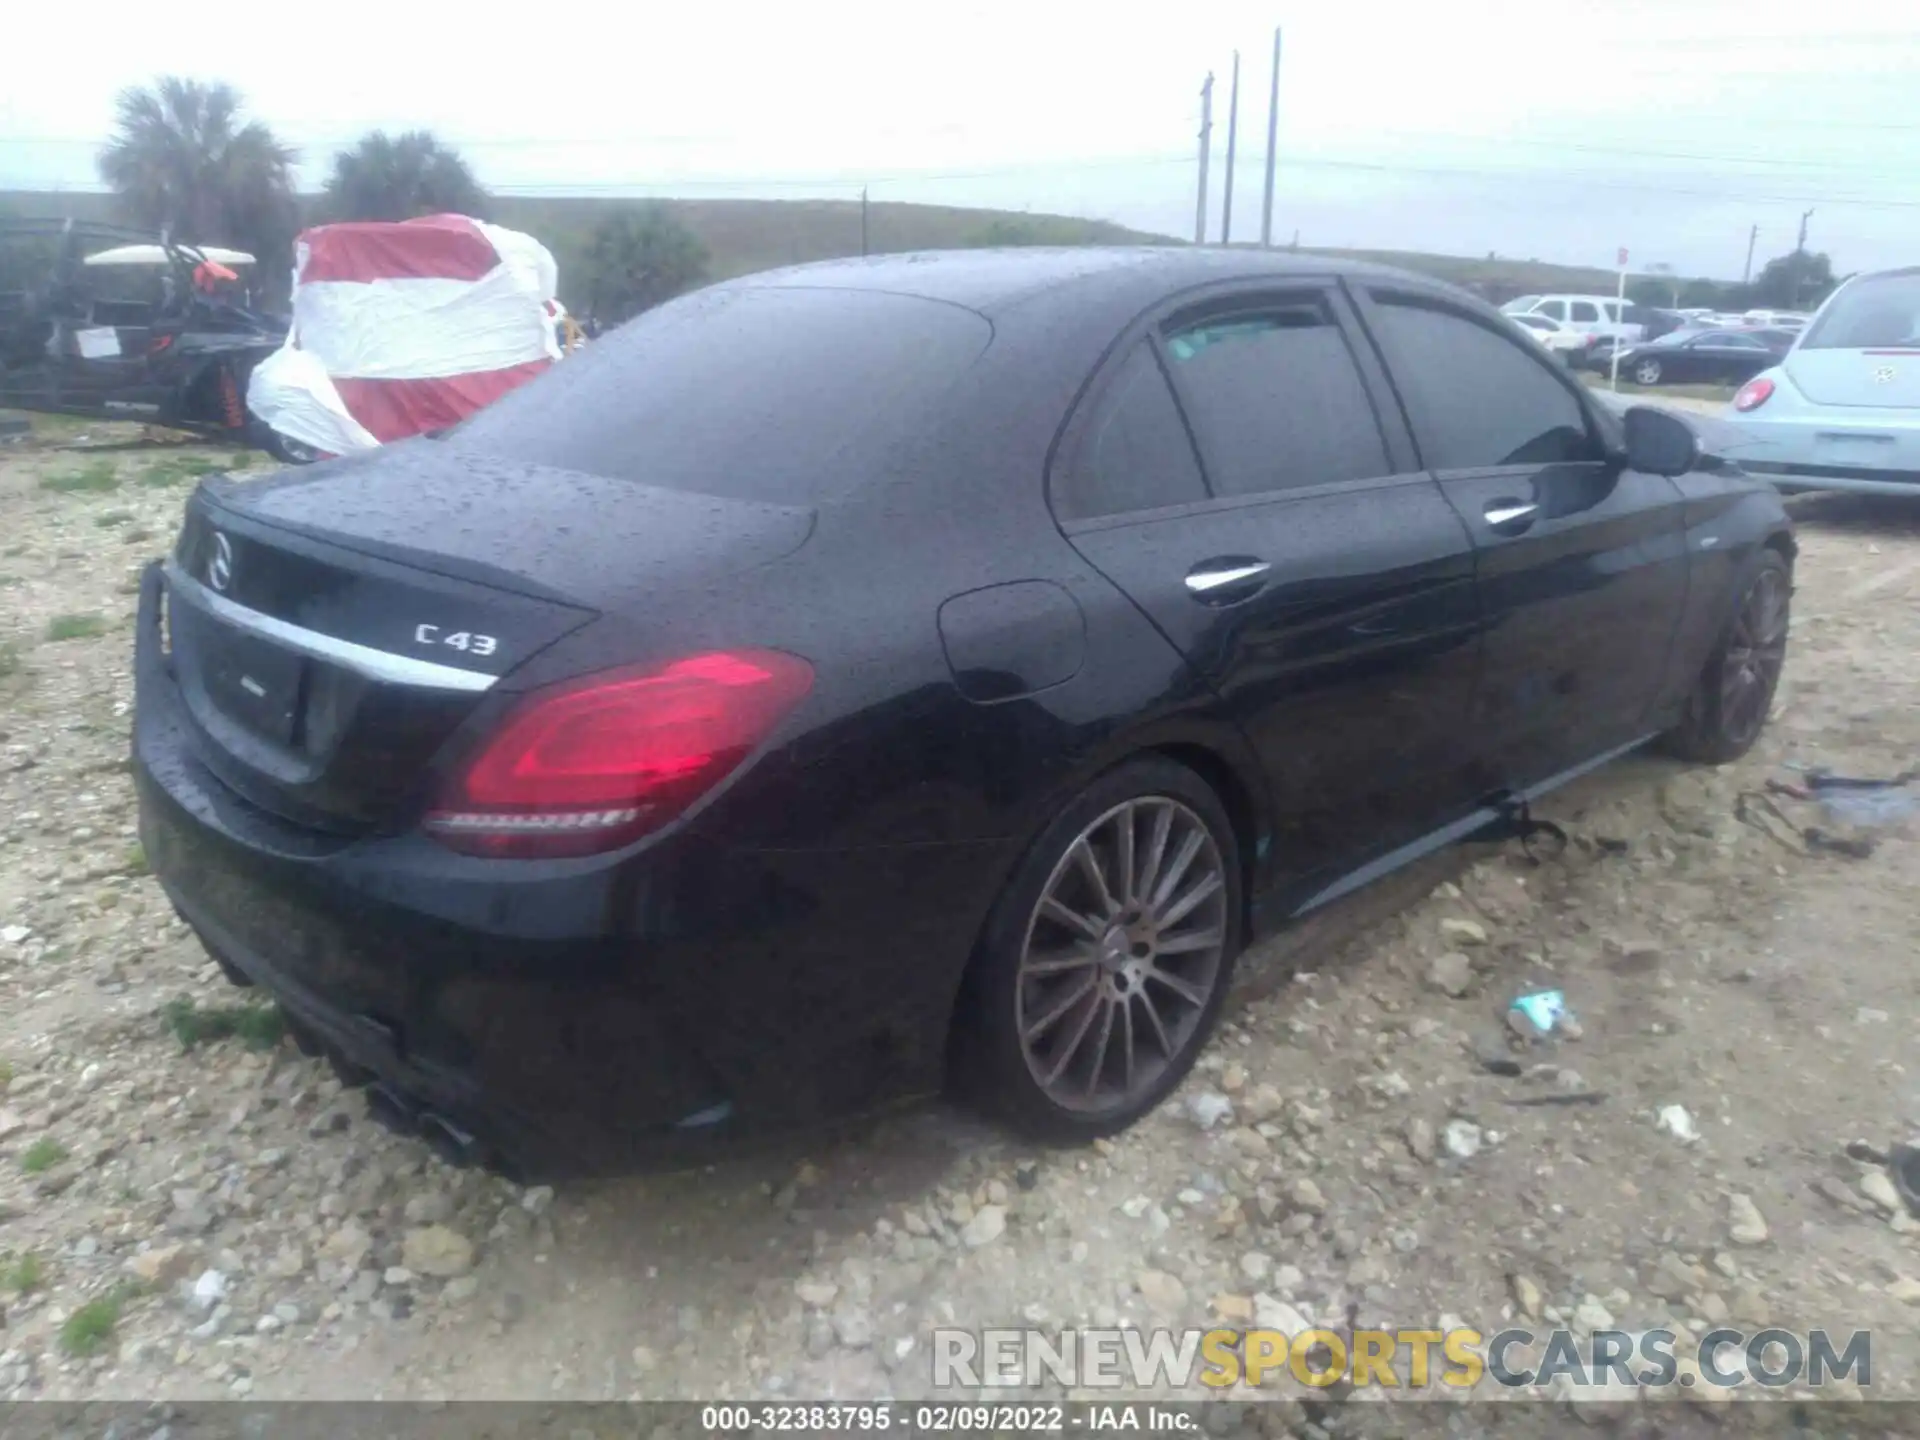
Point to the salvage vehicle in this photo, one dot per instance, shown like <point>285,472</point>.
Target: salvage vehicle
<point>109,323</point>
<point>1841,409</point>
<point>858,678</point>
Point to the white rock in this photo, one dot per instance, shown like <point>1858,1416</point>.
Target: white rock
<point>1208,1108</point>
<point>537,1199</point>
<point>1452,974</point>
<point>989,1222</point>
<point>1271,1313</point>
<point>1461,1139</point>
<point>1256,1265</point>
<point>1878,1187</point>
<point>1675,1120</point>
<point>210,1289</point>
<point>13,934</point>
<point>1746,1225</point>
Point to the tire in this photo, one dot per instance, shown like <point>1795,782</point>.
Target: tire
<point>1646,372</point>
<point>1048,1049</point>
<point>283,448</point>
<point>1728,708</point>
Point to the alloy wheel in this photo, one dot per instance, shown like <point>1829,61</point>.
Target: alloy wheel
<point>1756,651</point>
<point>1122,954</point>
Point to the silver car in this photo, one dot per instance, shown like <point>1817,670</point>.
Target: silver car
<point>1842,410</point>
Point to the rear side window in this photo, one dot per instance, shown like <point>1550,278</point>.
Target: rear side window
<point>1552,309</point>
<point>1137,454</point>
<point>1585,311</point>
<point>1276,400</point>
<point>1879,312</point>
<point>1478,398</point>
<point>770,394</point>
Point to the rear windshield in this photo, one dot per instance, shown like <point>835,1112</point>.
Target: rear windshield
<point>1880,312</point>
<point>770,394</point>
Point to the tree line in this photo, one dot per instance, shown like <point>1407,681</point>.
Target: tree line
<point>185,158</point>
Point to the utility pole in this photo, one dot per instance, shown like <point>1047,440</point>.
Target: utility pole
<point>1206,147</point>
<point>863,219</point>
<point>1233,133</point>
<point>1799,256</point>
<point>1746,275</point>
<point>1273,129</point>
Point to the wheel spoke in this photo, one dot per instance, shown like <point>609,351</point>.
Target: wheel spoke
<point>1059,962</point>
<point>1189,993</point>
<point>1072,919</point>
<point>1076,1039</point>
<point>1188,941</point>
<point>1123,853</point>
<point>1176,869</point>
<point>1155,1024</point>
<point>1100,1044</point>
<point>1053,1016</point>
<point>1127,1043</point>
<point>1205,886</point>
<point>1089,865</point>
<point>1156,849</point>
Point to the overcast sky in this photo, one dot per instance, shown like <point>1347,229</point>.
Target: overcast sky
<point>1555,130</point>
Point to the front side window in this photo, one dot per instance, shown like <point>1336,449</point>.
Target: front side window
<point>1479,399</point>
<point>1552,309</point>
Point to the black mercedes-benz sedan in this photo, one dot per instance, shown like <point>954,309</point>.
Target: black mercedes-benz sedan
<point>859,678</point>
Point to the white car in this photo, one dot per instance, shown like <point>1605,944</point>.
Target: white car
<point>1589,315</point>
<point>1842,410</point>
<point>1562,340</point>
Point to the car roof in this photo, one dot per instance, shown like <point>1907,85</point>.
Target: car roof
<point>993,280</point>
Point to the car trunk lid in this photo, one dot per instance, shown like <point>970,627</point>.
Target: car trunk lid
<point>331,628</point>
<point>1887,379</point>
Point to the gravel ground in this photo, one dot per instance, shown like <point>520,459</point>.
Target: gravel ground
<point>183,1214</point>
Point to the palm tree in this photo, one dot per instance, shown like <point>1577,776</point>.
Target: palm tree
<point>639,258</point>
<point>398,177</point>
<point>182,159</point>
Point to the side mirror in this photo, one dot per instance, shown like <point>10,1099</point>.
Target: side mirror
<point>1660,443</point>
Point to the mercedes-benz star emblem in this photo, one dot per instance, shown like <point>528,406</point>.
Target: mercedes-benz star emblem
<point>220,566</point>
<point>1884,374</point>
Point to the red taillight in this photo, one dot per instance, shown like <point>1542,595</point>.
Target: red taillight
<point>1753,394</point>
<point>592,765</point>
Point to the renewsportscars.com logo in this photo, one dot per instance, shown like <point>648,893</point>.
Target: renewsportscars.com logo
<point>1458,1359</point>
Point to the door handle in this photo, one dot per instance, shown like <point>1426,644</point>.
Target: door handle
<point>1219,582</point>
<point>1510,517</point>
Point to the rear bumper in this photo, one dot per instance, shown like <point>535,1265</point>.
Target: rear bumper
<point>570,1015</point>
<point>1829,449</point>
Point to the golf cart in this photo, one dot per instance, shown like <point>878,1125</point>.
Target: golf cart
<point>109,323</point>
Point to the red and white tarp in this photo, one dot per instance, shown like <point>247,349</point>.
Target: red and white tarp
<point>400,328</point>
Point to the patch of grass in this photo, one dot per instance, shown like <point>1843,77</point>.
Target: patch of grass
<point>6,1074</point>
<point>177,470</point>
<point>92,478</point>
<point>91,1326</point>
<point>22,1274</point>
<point>42,1155</point>
<point>112,518</point>
<point>139,535</point>
<point>137,860</point>
<point>75,627</point>
<point>9,661</point>
<point>13,550</point>
<point>258,1027</point>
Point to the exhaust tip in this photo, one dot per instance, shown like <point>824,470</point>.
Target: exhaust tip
<point>391,1109</point>
<point>455,1146</point>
